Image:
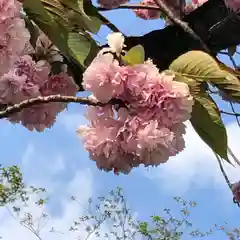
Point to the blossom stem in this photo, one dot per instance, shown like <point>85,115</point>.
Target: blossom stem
<point>223,172</point>
<point>52,98</point>
<point>230,152</point>
<point>165,9</point>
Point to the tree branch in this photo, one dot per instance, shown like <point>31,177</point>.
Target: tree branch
<point>180,23</point>
<point>165,45</point>
<point>52,98</point>
<point>230,113</point>
<point>131,6</point>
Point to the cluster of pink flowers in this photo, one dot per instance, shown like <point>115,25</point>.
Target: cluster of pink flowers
<point>147,14</point>
<point>148,129</point>
<point>111,3</point>
<point>236,191</point>
<point>21,77</point>
<point>233,5</point>
<point>193,5</point>
<point>174,5</point>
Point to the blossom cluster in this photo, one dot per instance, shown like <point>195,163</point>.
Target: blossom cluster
<point>147,128</point>
<point>193,5</point>
<point>174,5</point>
<point>236,191</point>
<point>21,77</point>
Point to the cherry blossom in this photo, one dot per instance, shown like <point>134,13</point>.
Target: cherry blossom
<point>103,78</point>
<point>236,191</point>
<point>147,14</point>
<point>9,9</point>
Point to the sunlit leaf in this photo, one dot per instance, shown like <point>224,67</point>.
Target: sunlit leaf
<point>202,67</point>
<point>197,64</point>
<point>135,55</point>
<point>79,46</point>
<point>207,122</point>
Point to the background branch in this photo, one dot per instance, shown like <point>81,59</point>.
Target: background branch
<point>165,9</point>
<point>230,113</point>
<point>131,6</point>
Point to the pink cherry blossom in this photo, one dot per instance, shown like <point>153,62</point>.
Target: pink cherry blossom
<point>13,38</point>
<point>148,129</point>
<point>236,191</point>
<point>193,5</point>
<point>233,5</point>
<point>100,140</point>
<point>147,14</point>
<point>9,9</point>
<point>37,117</point>
<point>116,140</point>
<point>24,80</point>
<point>103,78</point>
<point>11,88</point>
<point>111,3</point>
<point>157,96</point>
<point>36,73</point>
<point>61,83</point>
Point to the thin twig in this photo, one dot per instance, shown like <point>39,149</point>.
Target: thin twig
<point>230,113</point>
<point>233,62</point>
<point>52,98</point>
<point>165,9</point>
<point>235,114</point>
<point>230,152</point>
<point>32,230</point>
<point>110,25</point>
<point>223,172</point>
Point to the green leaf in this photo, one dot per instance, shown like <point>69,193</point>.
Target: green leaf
<point>207,122</point>
<point>197,64</point>
<point>135,55</point>
<point>204,68</point>
<point>79,46</point>
<point>83,14</point>
<point>230,85</point>
<point>57,34</point>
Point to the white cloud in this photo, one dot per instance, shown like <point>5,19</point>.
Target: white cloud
<point>196,165</point>
<point>72,120</point>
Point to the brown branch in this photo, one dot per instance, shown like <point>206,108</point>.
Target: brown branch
<point>110,25</point>
<point>52,98</point>
<point>131,6</point>
<point>181,23</point>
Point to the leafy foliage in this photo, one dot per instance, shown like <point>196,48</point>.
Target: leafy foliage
<point>66,23</point>
<point>110,218</point>
<point>11,185</point>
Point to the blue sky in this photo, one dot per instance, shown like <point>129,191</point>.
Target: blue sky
<point>56,160</point>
